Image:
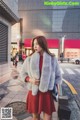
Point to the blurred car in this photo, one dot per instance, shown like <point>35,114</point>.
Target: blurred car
<point>75,60</point>
<point>62,59</point>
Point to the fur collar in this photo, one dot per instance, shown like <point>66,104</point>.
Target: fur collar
<point>46,69</point>
<point>50,72</point>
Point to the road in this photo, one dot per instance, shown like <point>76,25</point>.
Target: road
<point>71,72</point>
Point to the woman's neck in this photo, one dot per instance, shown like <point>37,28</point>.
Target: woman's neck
<point>41,53</point>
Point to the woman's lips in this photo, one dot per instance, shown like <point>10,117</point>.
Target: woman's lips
<point>35,49</point>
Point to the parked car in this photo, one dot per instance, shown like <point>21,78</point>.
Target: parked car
<point>62,59</point>
<point>75,60</point>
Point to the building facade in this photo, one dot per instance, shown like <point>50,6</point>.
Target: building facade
<point>54,22</point>
<point>8,17</point>
<point>72,48</point>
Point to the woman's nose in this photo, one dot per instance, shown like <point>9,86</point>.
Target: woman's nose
<point>35,47</point>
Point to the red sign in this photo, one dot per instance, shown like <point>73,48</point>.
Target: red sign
<point>72,43</point>
<point>52,43</point>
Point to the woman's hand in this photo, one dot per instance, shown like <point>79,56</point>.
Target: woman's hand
<point>34,81</point>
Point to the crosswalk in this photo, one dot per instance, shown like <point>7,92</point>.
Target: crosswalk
<point>78,70</point>
<point>70,71</point>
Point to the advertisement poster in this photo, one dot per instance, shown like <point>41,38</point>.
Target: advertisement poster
<point>39,51</point>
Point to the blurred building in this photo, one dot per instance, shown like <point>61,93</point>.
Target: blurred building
<point>8,17</point>
<point>54,22</point>
<point>72,48</point>
<point>15,38</point>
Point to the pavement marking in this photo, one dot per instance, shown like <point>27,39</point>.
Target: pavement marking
<point>69,71</point>
<point>70,86</point>
<point>61,71</point>
<point>78,70</point>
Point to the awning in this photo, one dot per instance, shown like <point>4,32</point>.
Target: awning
<point>52,43</point>
<point>72,43</point>
<point>27,43</point>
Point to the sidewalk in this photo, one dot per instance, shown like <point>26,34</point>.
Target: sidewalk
<point>14,93</point>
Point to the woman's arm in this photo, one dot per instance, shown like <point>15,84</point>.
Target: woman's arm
<point>27,79</point>
<point>58,76</point>
<point>24,74</point>
<point>33,81</point>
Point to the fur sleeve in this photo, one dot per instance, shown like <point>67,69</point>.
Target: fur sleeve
<point>58,75</point>
<point>24,72</point>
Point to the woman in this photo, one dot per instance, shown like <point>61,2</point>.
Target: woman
<point>40,71</point>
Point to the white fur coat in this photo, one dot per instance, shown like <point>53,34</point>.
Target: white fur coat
<point>50,72</point>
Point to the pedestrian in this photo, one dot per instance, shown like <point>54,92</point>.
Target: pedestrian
<point>40,70</point>
<point>23,56</point>
<point>16,60</point>
<point>13,55</point>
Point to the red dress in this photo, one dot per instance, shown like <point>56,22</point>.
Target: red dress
<point>42,102</point>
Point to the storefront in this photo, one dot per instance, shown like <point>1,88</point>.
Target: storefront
<point>53,45</point>
<point>8,17</point>
<point>72,48</point>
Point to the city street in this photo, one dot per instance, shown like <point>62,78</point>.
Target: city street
<point>71,73</point>
<point>29,26</point>
<point>14,92</point>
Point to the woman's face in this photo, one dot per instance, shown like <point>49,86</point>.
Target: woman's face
<point>37,48</point>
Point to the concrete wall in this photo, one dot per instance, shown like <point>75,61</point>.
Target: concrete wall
<point>13,5</point>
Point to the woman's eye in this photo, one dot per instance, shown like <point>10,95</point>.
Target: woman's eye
<point>36,44</point>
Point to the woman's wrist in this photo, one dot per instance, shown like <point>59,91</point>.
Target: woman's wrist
<point>27,79</point>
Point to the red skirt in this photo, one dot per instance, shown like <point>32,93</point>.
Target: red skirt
<point>42,102</point>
